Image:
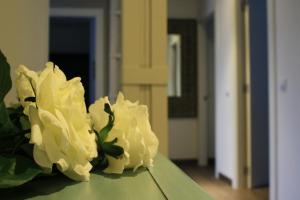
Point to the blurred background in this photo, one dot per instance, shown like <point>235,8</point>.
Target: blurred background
<point>220,78</point>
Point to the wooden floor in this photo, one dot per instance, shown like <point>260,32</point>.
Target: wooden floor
<point>218,189</point>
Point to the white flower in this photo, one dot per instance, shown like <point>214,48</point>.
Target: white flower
<point>59,122</point>
<point>133,130</point>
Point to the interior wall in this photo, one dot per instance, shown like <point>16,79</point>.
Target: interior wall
<point>24,35</point>
<point>227,54</point>
<point>183,138</point>
<point>187,9</point>
<point>183,132</point>
<point>284,70</point>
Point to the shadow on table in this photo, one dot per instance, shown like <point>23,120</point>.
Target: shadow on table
<point>51,184</point>
<point>126,173</point>
<point>38,187</point>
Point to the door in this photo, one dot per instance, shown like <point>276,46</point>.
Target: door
<point>210,48</point>
<point>144,60</point>
<point>256,93</point>
<point>259,92</point>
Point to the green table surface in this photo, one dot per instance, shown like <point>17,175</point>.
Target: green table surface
<point>163,181</point>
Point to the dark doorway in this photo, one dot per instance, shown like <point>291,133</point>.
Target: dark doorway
<point>259,93</point>
<point>72,50</point>
<point>210,98</point>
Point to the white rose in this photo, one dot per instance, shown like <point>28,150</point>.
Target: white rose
<point>59,122</point>
<point>133,131</point>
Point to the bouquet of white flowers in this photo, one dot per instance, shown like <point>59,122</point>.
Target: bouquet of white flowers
<point>51,130</point>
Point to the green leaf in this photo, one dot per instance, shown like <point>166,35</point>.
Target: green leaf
<point>13,127</point>
<point>5,79</point>
<point>7,128</point>
<point>114,141</point>
<point>107,109</point>
<point>111,119</point>
<point>107,148</point>
<point>104,132</point>
<point>103,163</point>
<point>112,150</point>
<point>3,114</point>
<point>27,149</point>
<point>17,171</point>
<point>17,117</point>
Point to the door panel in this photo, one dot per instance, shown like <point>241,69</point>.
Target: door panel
<point>144,62</point>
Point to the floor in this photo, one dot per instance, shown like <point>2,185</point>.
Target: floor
<point>218,189</point>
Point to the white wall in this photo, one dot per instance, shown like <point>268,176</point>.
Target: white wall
<point>183,138</point>
<point>226,91</point>
<point>284,69</point>
<point>183,132</point>
<point>24,34</point>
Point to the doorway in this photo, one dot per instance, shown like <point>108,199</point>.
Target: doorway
<point>210,98</point>
<point>77,47</point>
<point>71,49</point>
<point>256,93</point>
<point>252,77</point>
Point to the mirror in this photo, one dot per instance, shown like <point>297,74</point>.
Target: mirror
<point>174,63</point>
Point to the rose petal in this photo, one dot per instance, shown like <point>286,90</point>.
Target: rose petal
<point>41,158</point>
<point>36,134</point>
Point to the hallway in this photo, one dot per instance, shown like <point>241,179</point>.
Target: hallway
<point>219,189</point>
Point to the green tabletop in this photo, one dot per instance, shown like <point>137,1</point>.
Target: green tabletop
<point>163,181</point>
